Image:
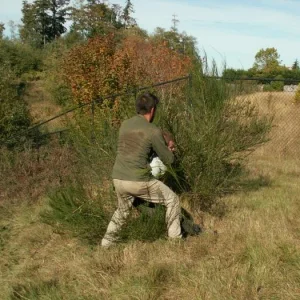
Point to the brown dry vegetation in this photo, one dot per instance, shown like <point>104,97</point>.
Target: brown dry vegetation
<point>285,135</point>
<point>255,255</point>
<point>29,174</point>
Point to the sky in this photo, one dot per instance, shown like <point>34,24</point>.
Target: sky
<point>228,31</point>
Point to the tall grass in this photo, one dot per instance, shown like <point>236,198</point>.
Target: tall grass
<point>71,209</point>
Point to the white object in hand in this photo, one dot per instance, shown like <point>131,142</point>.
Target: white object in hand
<point>157,167</point>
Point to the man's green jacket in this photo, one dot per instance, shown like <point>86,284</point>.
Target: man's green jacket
<point>138,139</point>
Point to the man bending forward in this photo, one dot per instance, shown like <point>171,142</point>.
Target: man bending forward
<point>138,139</point>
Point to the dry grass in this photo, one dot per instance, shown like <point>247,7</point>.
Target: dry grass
<point>42,106</point>
<point>255,255</point>
<point>30,173</point>
<point>285,136</point>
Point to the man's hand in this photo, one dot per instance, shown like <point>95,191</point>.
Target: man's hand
<point>169,140</point>
<point>171,145</point>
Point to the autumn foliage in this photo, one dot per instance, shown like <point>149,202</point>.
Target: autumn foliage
<point>105,66</point>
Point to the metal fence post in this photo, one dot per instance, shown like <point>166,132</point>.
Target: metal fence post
<point>190,89</point>
<point>93,122</point>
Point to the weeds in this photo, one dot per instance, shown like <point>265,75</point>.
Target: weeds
<point>72,210</point>
<point>30,173</point>
<point>87,218</point>
<point>35,291</point>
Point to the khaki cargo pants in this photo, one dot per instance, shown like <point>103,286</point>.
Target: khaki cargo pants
<point>152,191</point>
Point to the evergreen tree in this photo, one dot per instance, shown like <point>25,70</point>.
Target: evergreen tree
<point>296,66</point>
<point>180,42</point>
<point>95,18</point>
<point>30,31</point>
<point>174,23</point>
<point>126,16</point>
<point>43,21</point>
<point>58,17</point>
<point>117,12</point>
<point>2,28</point>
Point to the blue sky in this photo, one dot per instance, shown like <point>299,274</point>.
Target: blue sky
<point>227,30</point>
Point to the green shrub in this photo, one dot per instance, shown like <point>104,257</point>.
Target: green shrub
<point>275,86</point>
<point>278,85</point>
<point>213,131</point>
<point>267,88</point>
<point>20,57</point>
<point>15,118</point>
<point>31,76</point>
<point>53,79</point>
<point>70,208</point>
<point>14,115</point>
<point>147,226</point>
<point>87,217</point>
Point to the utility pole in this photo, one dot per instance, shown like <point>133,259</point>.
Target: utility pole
<point>175,22</point>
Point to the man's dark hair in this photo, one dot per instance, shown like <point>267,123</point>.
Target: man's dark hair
<point>145,102</point>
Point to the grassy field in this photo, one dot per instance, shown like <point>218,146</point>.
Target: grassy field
<point>255,253</point>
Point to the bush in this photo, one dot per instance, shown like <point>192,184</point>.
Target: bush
<point>73,210</point>
<point>21,58</point>
<point>87,217</point>
<point>275,86</point>
<point>106,66</point>
<point>15,118</point>
<point>213,131</point>
<point>16,60</point>
<point>54,81</point>
<point>29,174</point>
<point>14,115</point>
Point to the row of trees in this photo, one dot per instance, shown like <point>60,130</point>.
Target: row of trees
<point>267,64</point>
<point>44,21</point>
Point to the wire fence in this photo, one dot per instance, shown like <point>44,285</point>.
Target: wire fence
<point>272,97</point>
<point>277,99</point>
<point>100,100</point>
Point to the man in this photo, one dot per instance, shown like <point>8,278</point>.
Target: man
<point>138,139</point>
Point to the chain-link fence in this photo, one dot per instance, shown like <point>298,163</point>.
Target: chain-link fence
<point>272,97</point>
<point>276,99</point>
<point>165,90</point>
